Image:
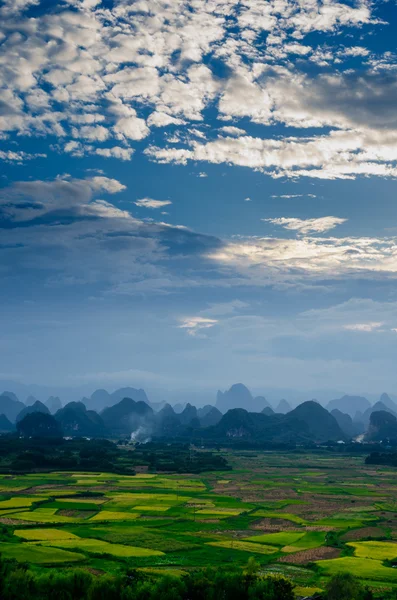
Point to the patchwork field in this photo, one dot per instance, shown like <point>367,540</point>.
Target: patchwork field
<point>305,515</point>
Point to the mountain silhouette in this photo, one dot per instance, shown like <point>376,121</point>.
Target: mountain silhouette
<point>10,406</point>
<point>39,424</point>
<point>322,425</point>
<point>101,399</point>
<point>388,402</point>
<point>53,404</point>
<point>76,421</point>
<point>127,415</point>
<point>30,400</point>
<point>345,422</point>
<point>188,414</point>
<point>377,407</point>
<point>167,421</point>
<point>382,426</point>
<point>349,404</point>
<point>283,407</point>
<point>36,407</point>
<point>307,422</point>
<point>210,417</point>
<point>5,425</point>
<point>239,396</point>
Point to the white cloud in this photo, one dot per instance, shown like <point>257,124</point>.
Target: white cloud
<point>276,261</point>
<point>161,119</point>
<point>11,7</point>
<point>304,226</point>
<point>195,325</point>
<point>355,51</point>
<point>93,133</point>
<point>18,156</point>
<point>112,186</point>
<point>114,73</point>
<point>132,128</point>
<point>78,149</point>
<point>150,203</point>
<point>338,155</point>
<point>231,130</point>
<point>365,327</point>
<point>243,97</point>
<point>35,200</point>
<point>115,152</point>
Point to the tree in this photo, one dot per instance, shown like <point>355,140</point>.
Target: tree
<point>252,567</point>
<point>19,584</point>
<point>344,586</point>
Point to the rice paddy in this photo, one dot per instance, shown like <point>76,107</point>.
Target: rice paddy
<point>307,516</point>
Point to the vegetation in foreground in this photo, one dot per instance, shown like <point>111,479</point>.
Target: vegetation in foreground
<point>18,581</point>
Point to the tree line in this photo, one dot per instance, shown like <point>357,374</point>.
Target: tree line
<point>18,580</point>
<point>24,454</point>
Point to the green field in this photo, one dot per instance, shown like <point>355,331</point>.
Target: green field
<point>307,516</point>
<point>39,554</point>
<point>376,550</point>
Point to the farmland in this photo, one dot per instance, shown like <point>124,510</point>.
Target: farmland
<point>307,516</point>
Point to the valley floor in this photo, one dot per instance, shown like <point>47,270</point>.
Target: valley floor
<point>305,515</point>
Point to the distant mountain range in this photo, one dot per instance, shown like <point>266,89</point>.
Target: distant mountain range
<point>239,396</point>
<point>237,414</point>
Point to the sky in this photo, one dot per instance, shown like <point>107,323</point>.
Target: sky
<point>199,192</point>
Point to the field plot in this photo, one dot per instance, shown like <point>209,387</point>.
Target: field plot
<point>20,502</point>
<point>376,550</point>
<point>364,568</point>
<point>44,534</point>
<point>287,510</point>
<point>39,554</point>
<point>100,547</point>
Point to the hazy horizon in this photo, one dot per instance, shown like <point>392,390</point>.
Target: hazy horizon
<point>199,396</point>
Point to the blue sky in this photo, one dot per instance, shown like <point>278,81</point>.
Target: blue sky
<point>198,192</point>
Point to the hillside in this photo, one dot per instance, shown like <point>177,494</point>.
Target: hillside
<point>345,422</point>
<point>5,425</point>
<point>167,421</point>
<point>210,417</point>
<point>322,425</point>
<point>37,406</point>
<point>127,416</point>
<point>10,406</point>
<point>308,422</point>
<point>382,426</point>
<point>76,420</point>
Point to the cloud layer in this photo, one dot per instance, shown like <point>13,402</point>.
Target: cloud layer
<point>104,77</point>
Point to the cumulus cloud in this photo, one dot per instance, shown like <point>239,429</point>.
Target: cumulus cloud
<point>115,152</point>
<point>304,226</point>
<point>337,155</point>
<point>19,156</point>
<point>150,203</point>
<point>231,130</point>
<point>11,7</point>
